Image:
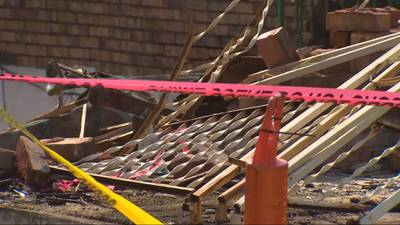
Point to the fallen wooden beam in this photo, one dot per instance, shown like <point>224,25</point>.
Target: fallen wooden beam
<point>148,186</point>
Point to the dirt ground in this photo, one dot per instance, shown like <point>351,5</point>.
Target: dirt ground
<point>338,206</point>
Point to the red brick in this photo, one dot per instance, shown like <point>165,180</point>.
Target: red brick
<point>123,58</point>
<point>87,19</point>
<point>244,7</point>
<point>36,26</point>
<point>6,13</point>
<point>118,33</point>
<point>197,5</point>
<point>67,40</point>
<point>153,3</point>
<point>66,17</point>
<point>36,4</point>
<point>80,53</point>
<point>11,25</point>
<point>8,36</point>
<point>99,8</point>
<point>112,45</point>
<point>89,42</point>
<point>37,50</point>
<point>172,50</point>
<point>80,30</point>
<point>101,55</point>
<point>99,31</point>
<point>171,26</point>
<point>72,149</point>
<point>26,60</point>
<point>57,4</point>
<point>339,39</point>
<point>153,49</point>
<point>144,60</point>
<point>276,48</point>
<point>57,51</point>
<point>31,163</point>
<point>131,46</point>
<point>45,39</point>
<point>109,20</point>
<point>346,20</point>
<point>79,6</point>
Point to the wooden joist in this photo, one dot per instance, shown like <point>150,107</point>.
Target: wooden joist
<point>148,186</point>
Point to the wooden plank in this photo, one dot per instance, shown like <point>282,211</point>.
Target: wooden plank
<point>324,205</point>
<point>379,211</point>
<point>333,118</point>
<point>318,108</point>
<point>324,64</point>
<point>151,118</point>
<point>221,213</point>
<point>334,140</point>
<point>311,60</point>
<point>148,186</point>
<point>313,112</point>
<point>61,110</point>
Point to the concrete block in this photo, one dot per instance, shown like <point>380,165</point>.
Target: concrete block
<point>31,163</point>
<point>72,149</point>
<point>350,20</point>
<point>339,39</point>
<point>276,48</point>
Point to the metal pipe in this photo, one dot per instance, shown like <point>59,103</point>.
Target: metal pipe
<point>280,11</point>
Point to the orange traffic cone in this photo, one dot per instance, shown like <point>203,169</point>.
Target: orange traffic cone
<point>266,176</point>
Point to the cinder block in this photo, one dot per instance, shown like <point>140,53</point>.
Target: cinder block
<point>347,20</point>
<point>276,48</point>
<point>31,163</point>
<point>339,39</point>
<point>72,149</point>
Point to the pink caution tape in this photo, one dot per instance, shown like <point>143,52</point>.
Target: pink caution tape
<point>308,94</point>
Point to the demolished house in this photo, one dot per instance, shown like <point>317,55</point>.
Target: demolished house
<point>183,157</point>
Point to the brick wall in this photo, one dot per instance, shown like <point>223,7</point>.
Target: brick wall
<point>133,37</point>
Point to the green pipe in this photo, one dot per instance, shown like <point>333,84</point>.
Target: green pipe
<point>280,11</point>
<point>301,22</point>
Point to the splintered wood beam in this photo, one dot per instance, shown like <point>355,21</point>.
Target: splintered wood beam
<point>148,186</point>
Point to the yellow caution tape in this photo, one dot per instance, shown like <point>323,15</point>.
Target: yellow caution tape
<point>128,209</point>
